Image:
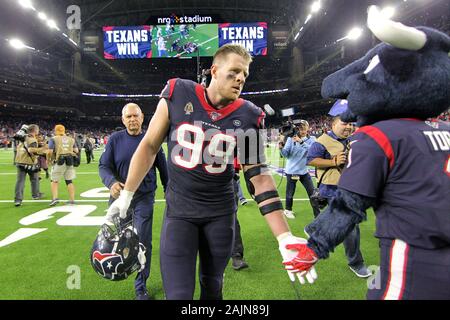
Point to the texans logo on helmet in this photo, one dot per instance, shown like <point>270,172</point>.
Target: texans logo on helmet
<point>109,263</point>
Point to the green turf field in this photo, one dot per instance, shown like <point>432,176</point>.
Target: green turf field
<point>204,36</point>
<point>42,266</point>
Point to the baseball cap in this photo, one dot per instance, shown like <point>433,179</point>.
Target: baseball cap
<point>60,130</point>
<point>338,108</point>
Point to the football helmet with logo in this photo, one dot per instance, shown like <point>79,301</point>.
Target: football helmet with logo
<point>117,252</point>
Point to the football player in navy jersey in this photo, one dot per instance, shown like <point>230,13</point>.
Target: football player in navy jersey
<point>205,127</point>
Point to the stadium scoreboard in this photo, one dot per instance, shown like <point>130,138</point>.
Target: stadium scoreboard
<point>181,40</point>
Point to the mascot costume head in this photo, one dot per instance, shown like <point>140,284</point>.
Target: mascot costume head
<point>405,76</point>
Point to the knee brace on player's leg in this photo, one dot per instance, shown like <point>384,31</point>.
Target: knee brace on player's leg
<point>252,172</point>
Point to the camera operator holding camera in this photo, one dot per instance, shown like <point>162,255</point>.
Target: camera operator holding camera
<point>329,155</point>
<point>295,150</point>
<point>63,153</point>
<point>27,162</point>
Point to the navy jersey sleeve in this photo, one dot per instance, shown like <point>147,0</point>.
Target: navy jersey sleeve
<point>106,165</point>
<point>317,150</point>
<point>366,159</point>
<point>167,92</point>
<point>161,164</point>
<point>253,151</point>
<point>51,144</point>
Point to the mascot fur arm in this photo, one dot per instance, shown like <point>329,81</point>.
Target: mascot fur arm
<point>333,225</point>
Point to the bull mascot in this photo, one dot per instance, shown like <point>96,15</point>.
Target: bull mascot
<point>399,163</point>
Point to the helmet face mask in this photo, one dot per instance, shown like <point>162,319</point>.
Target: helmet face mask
<point>114,254</point>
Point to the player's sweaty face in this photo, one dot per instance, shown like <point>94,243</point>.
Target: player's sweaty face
<point>231,75</point>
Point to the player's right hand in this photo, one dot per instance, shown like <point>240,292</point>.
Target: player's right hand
<point>298,258</point>
<point>120,206</point>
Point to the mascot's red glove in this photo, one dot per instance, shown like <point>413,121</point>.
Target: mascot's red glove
<point>298,258</point>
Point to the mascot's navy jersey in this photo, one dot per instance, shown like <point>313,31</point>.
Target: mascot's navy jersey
<point>405,164</point>
<point>199,187</point>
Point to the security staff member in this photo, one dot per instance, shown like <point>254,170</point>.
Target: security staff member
<point>27,163</point>
<point>62,151</point>
<point>113,168</point>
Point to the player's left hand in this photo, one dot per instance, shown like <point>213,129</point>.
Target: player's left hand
<point>298,258</point>
<point>120,206</point>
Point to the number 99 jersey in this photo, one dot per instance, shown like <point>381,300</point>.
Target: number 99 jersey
<point>202,144</point>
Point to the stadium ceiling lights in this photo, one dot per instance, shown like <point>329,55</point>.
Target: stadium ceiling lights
<point>19,45</point>
<point>26,4</point>
<point>316,6</point>
<point>52,24</point>
<point>42,16</point>
<point>354,34</point>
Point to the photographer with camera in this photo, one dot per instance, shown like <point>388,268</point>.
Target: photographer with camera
<point>294,148</point>
<point>27,162</point>
<point>329,155</point>
<point>63,151</point>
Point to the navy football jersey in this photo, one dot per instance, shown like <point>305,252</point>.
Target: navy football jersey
<point>405,164</point>
<point>202,143</point>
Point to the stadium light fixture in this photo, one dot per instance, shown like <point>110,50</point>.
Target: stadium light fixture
<point>18,44</point>
<point>308,18</point>
<point>316,6</point>
<point>26,4</point>
<point>388,12</point>
<point>42,16</point>
<point>296,36</point>
<point>52,24</point>
<point>354,34</point>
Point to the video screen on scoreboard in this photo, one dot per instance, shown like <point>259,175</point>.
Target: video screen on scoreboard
<point>131,42</point>
<point>252,36</point>
<point>182,40</point>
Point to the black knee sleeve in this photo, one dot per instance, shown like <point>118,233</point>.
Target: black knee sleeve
<point>252,172</point>
<point>68,182</point>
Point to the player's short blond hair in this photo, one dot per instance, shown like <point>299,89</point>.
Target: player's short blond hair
<point>232,48</point>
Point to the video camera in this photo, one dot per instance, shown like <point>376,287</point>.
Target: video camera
<point>289,130</point>
<point>21,134</point>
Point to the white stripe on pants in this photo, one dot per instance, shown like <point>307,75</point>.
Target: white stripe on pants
<point>397,270</point>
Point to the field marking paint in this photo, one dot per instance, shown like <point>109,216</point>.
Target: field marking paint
<point>76,216</point>
<point>20,234</point>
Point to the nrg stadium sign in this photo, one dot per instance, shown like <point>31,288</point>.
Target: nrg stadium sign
<point>174,19</point>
